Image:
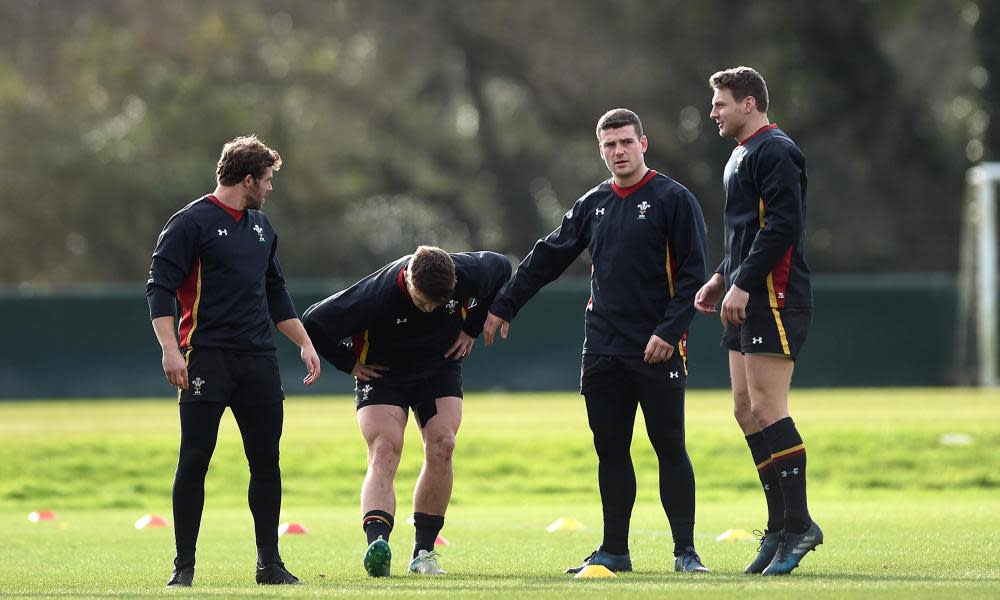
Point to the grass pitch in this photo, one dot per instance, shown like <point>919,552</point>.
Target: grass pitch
<point>904,515</point>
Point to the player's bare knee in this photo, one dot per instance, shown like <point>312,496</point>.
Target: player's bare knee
<point>742,411</point>
<point>763,414</point>
<point>384,454</point>
<point>440,447</point>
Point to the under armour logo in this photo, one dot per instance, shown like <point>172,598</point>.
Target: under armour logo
<point>758,340</point>
<point>197,382</point>
<point>674,374</point>
<point>794,471</point>
<point>400,321</point>
<point>599,211</point>
<point>223,232</point>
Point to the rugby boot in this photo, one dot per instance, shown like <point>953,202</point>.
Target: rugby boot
<point>181,578</point>
<point>614,562</point>
<point>275,574</point>
<point>425,563</point>
<point>378,558</point>
<point>792,548</point>
<point>689,562</point>
<point>765,551</point>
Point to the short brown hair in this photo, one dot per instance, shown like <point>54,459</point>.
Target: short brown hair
<point>742,82</point>
<point>432,272</point>
<point>619,117</point>
<point>245,155</point>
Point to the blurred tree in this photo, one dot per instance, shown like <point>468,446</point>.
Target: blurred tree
<point>465,124</point>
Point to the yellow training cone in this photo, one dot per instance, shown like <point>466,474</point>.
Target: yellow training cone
<point>734,535</point>
<point>565,524</point>
<point>594,572</point>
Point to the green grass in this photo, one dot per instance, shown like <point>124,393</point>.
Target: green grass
<point>904,515</point>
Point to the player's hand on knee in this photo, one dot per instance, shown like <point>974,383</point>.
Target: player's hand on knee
<point>657,350</point>
<point>462,346</point>
<point>367,372</point>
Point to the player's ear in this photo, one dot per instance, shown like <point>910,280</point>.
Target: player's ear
<point>248,180</point>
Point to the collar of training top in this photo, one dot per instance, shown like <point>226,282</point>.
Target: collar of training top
<point>624,192</point>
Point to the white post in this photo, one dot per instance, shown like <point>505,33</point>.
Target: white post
<point>984,177</point>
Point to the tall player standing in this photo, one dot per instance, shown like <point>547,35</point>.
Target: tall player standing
<point>767,308</point>
<point>217,258</point>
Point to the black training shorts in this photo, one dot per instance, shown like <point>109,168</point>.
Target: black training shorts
<point>416,390</point>
<point>231,377</point>
<point>630,375</point>
<point>777,331</point>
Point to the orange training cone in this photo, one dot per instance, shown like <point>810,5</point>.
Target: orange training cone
<point>440,541</point>
<point>150,522</point>
<point>292,529</point>
<point>41,515</point>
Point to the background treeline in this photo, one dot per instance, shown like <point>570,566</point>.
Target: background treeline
<point>470,124</point>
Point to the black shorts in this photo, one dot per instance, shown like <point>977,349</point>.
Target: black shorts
<point>777,331</point>
<point>415,390</point>
<point>630,375</point>
<point>231,377</point>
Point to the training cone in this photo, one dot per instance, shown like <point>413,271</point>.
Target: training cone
<point>440,541</point>
<point>292,529</point>
<point>150,522</point>
<point>41,515</point>
<point>565,524</point>
<point>734,535</point>
<point>594,572</point>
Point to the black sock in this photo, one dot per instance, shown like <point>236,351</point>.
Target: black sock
<point>377,524</point>
<point>428,527</point>
<point>761,454</point>
<point>788,456</point>
<point>678,549</point>
<point>268,556</point>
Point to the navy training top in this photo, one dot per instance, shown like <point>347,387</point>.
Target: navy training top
<point>221,266</point>
<point>648,252</point>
